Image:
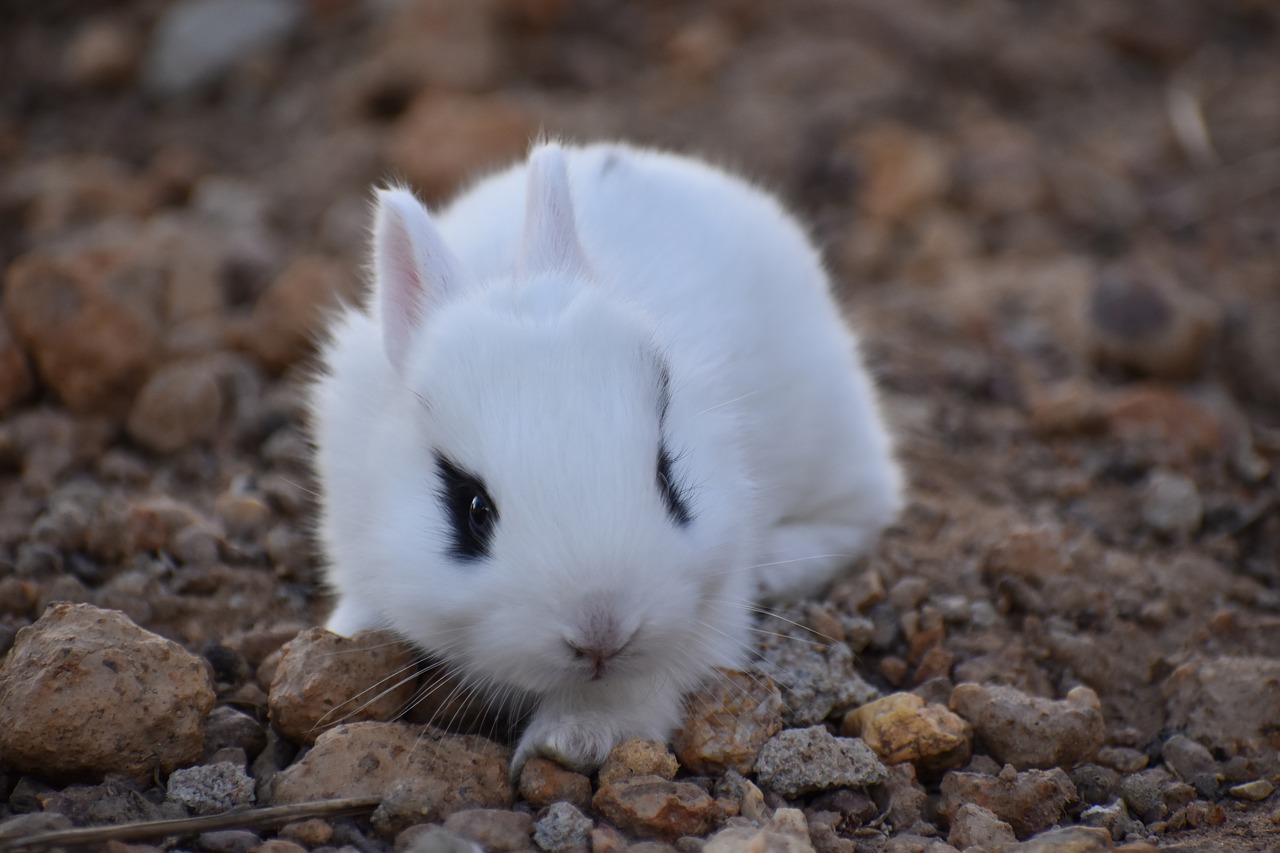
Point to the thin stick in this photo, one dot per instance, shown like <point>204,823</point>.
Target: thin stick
<point>146,829</point>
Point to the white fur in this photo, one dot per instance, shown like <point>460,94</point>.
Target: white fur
<point>534,358</point>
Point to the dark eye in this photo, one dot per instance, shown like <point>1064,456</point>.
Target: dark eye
<point>673,494</point>
<point>470,511</point>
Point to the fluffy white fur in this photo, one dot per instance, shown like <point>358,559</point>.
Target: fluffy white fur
<point>526,333</point>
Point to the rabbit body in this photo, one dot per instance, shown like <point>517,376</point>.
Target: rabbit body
<point>603,404</point>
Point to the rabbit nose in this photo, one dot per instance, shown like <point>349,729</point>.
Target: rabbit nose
<point>596,652</point>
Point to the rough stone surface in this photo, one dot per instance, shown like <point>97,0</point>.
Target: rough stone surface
<point>324,680</point>
<point>544,783</point>
<point>1187,758</point>
<point>422,838</point>
<point>563,828</point>
<point>638,757</point>
<point>903,727</point>
<point>727,722</point>
<point>85,692</point>
<point>87,324</point>
<point>806,761</point>
<point>815,681</point>
<point>1030,731</point>
<point>211,788</point>
<point>1230,704</point>
<point>179,405</point>
<point>653,807</point>
<point>787,832</point>
<point>1068,839</point>
<point>1030,802</point>
<point>285,319</point>
<point>975,826</point>
<point>495,830</point>
<point>421,774</point>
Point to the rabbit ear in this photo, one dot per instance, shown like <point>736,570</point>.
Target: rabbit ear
<point>550,238</point>
<point>415,270</point>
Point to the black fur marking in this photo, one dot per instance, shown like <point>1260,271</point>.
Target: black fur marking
<point>471,512</point>
<point>673,492</point>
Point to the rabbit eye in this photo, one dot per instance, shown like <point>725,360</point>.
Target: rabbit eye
<point>469,510</point>
<point>673,493</point>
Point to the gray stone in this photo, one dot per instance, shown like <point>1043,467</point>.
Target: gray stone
<point>1171,503</point>
<point>197,41</point>
<point>806,761</point>
<point>212,788</point>
<point>815,680</point>
<point>562,828</point>
<point>1188,758</point>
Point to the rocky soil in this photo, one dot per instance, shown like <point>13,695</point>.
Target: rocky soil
<point>1057,226</point>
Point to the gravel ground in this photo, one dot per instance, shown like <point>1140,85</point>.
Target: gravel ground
<point>1056,225</point>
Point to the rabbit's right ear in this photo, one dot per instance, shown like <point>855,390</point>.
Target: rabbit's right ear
<point>415,271</point>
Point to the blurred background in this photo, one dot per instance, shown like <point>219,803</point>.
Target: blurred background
<point>1056,224</point>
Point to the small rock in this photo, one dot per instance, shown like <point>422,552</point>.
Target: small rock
<point>1113,817</point>
<point>445,139</point>
<point>902,727</point>
<point>493,829</point>
<point>787,832</point>
<point>211,788</point>
<point>1095,785</point>
<point>1257,790</point>
<point>1171,503</point>
<point>198,41</point>
<point>1228,704</point>
<point>1141,317</point>
<point>806,761</point>
<point>562,828</point>
<point>902,798</point>
<point>1030,801</point>
<point>421,774</point>
<point>814,680</point>
<point>905,172</point>
<point>90,323</point>
<point>423,838</point>
<point>279,845</point>
<point>1144,414</point>
<point>1030,553</point>
<point>1068,839</point>
<point>310,833</point>
<point>102,53</point>
<point>653,807</point>
<point>543,783</point>
<point>638,757</point>
<point>324,680</point>
<point>85,692</point>
<point>228,841</point>
<point>1187,758</point>
<point>726,723</point>
<point>287,316</point>
<point>975,826</point>
<point>1123,759</point>
<point>24,825</point>
<point>179,405</point>
<point>1029,731</point>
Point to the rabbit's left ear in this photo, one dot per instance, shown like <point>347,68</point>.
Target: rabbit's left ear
<point>550,239</point>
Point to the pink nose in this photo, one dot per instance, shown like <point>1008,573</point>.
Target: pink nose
<point>595,655</point>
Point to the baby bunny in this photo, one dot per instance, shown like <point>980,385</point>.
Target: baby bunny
<point>601,406</point>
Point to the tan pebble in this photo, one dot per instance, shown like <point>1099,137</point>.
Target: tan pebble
<point>278,845</point>
<point>654,807</point>
<point>16,379</point>
<point>543,782</point>
<point>906,171</point>
<point>120,700</point>
<point>494,830</point>
<point>1259,789</point>
<point>726,723</point>
<point>638,757</point>
<point>903,727</point>
<point>285,319</point>
<point>309,833</point>
<point>323,680</point>
<point>244,516</point>
<point>102,52</point>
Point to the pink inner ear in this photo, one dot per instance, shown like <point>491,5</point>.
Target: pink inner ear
<point>550,239</point>
<point>415,270</point>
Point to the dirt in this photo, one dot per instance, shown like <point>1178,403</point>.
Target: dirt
<point>1056,226</point>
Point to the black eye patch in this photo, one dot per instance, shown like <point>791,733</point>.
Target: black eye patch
<point>471,513</point>
<point>673,493</point>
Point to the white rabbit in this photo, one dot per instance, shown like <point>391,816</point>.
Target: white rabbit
<point>602,405</point>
